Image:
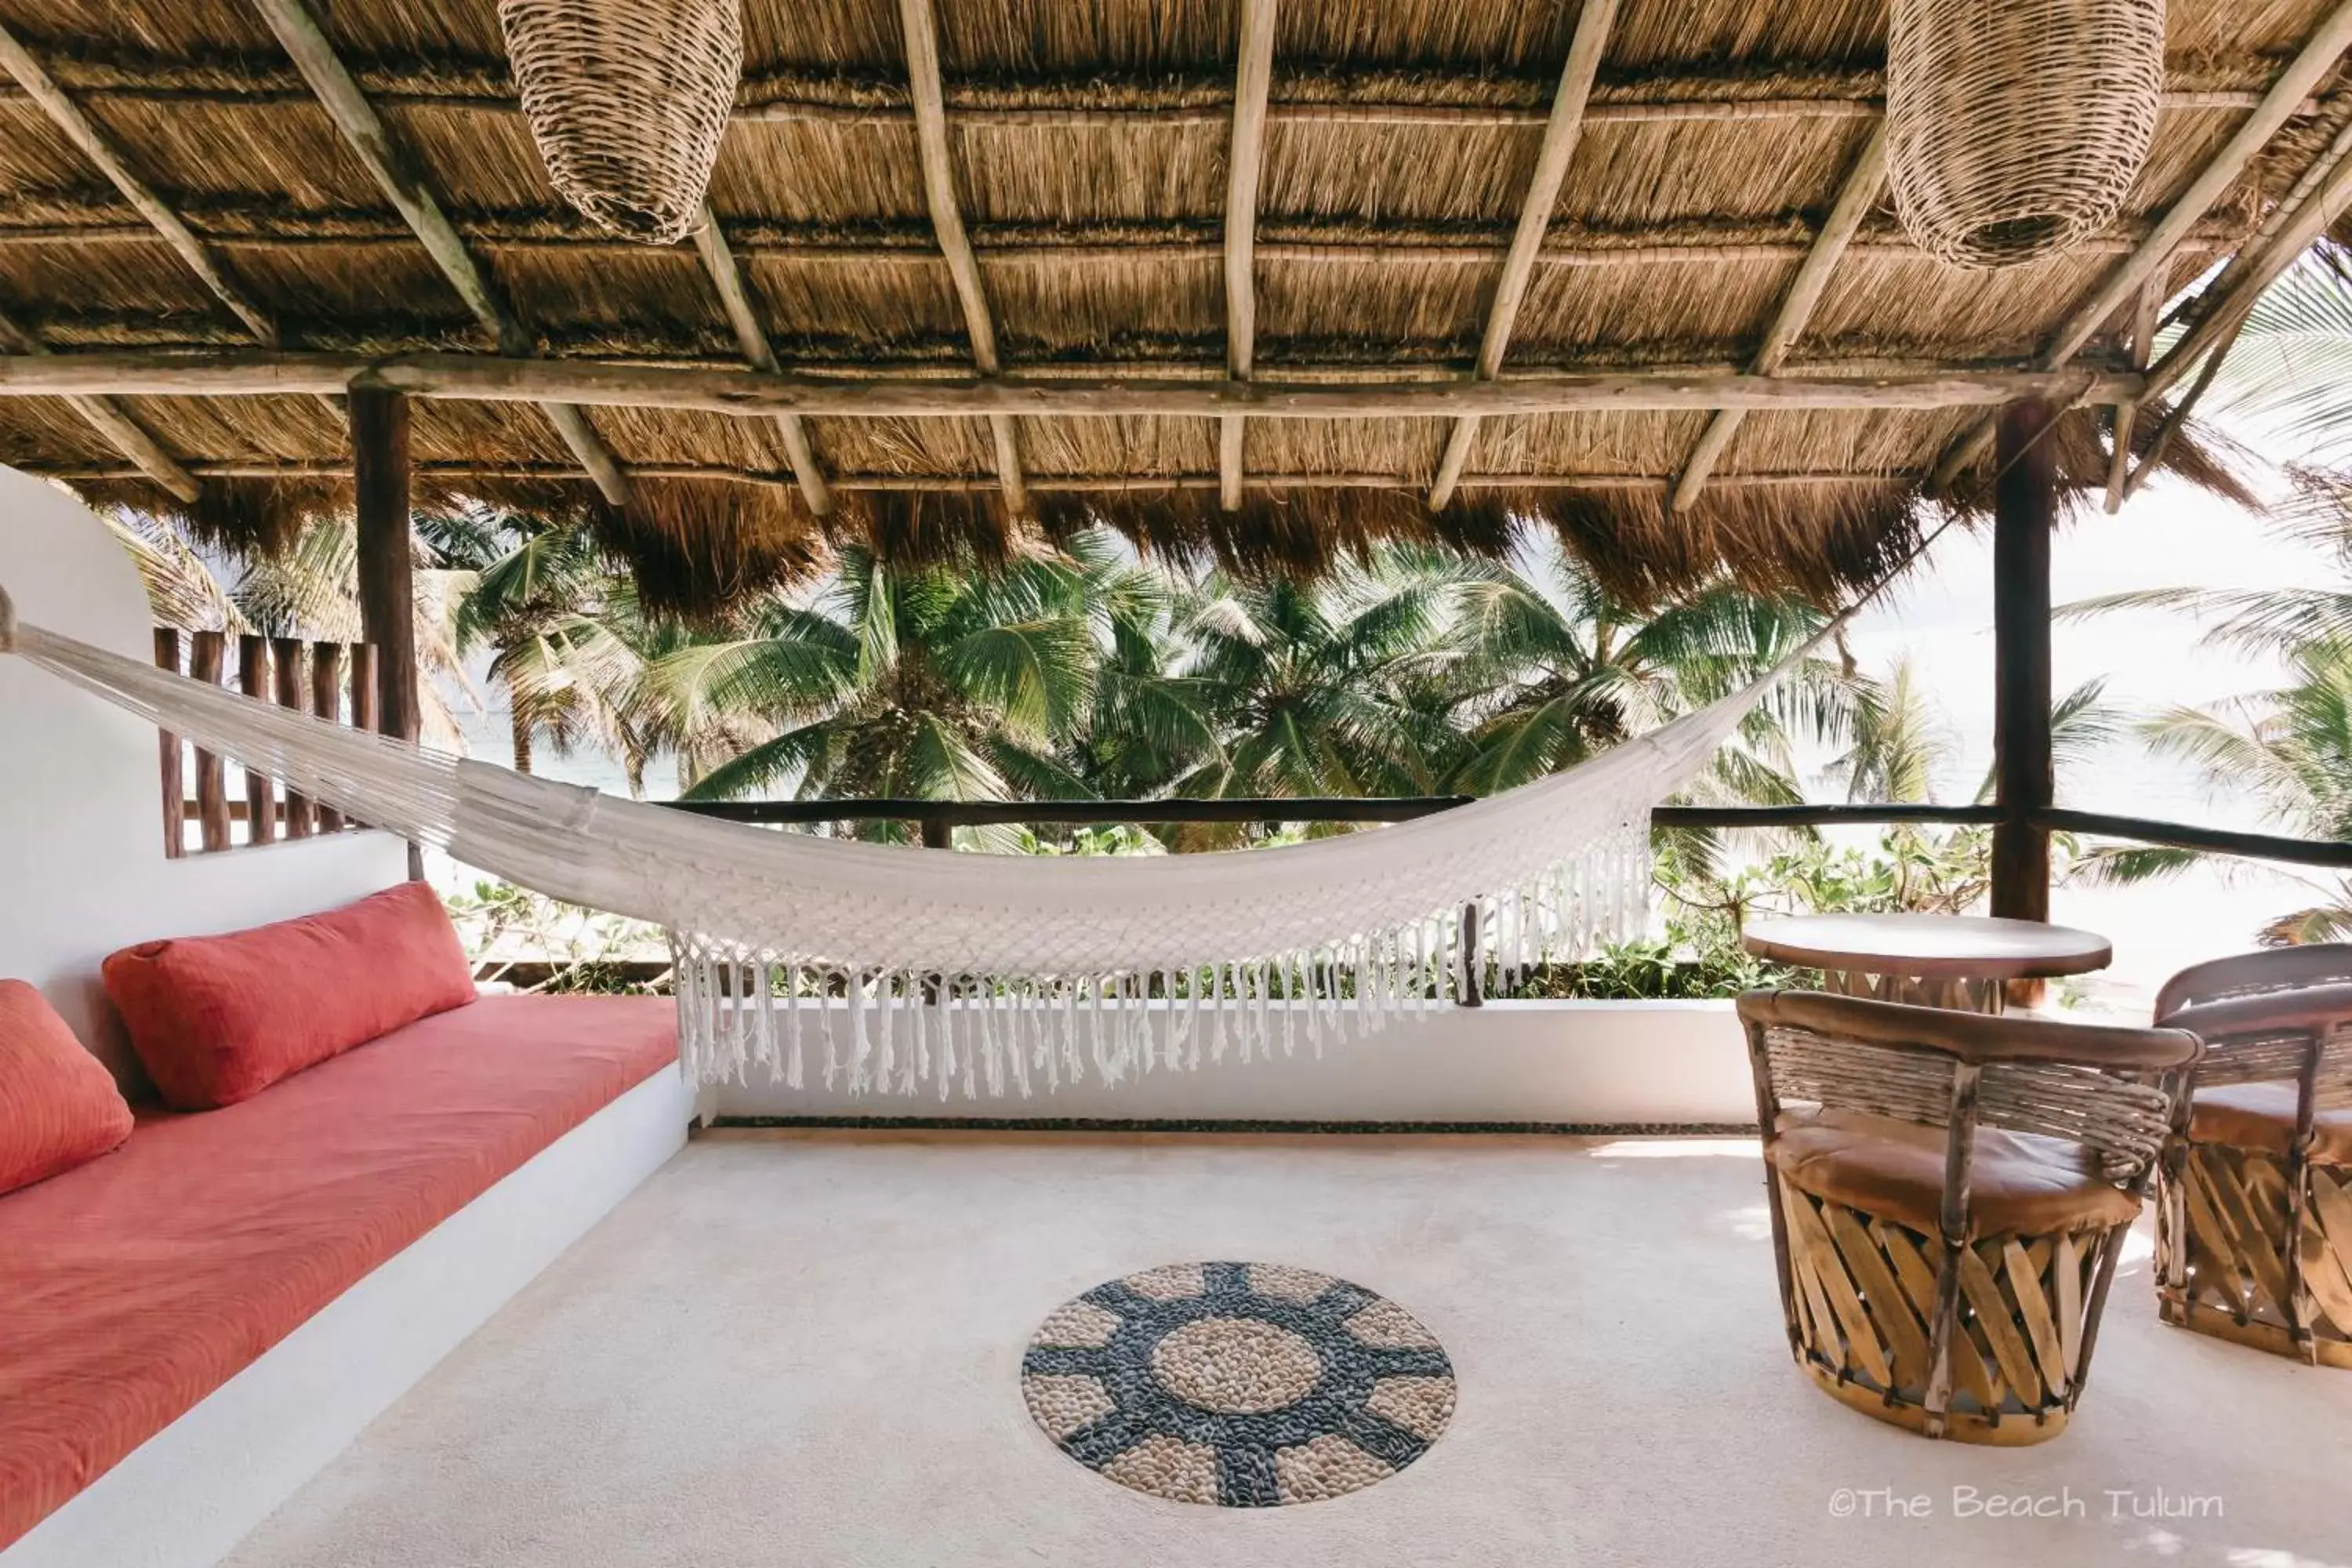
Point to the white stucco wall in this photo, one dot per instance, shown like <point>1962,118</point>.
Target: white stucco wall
<point>1611,1064</point>
<point>82,870</point>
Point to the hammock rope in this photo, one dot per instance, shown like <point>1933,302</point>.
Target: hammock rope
<point>891,971</point>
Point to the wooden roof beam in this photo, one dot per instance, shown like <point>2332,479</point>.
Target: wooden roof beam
<point>250,373</point>
<point>923,83</point>
<point>1253,77</point>
<point>735,294</point>
<point>2287,92</point>
<point>1561,130</point>
<point>1462,98</point>
<point>956,484</point>
<point>103,414</point>
<point>1860,192</point>
<point>365,132</point>
<point>98,149</point>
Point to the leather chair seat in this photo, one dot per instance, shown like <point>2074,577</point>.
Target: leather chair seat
<point>2261,1116</point>
<point>2019,1182</point>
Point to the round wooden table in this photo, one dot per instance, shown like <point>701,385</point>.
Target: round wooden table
<point>1934,961</point>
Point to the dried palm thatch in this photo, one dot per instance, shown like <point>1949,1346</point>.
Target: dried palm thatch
<point>698,545</point>
<point>2016,128</point>
<point>1087,150</point>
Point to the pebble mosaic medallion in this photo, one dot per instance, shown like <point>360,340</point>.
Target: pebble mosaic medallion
<point>1245,1384</point>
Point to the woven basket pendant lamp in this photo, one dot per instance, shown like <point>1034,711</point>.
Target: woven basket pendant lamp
<point>627,100</point>
<point>2015,128</point>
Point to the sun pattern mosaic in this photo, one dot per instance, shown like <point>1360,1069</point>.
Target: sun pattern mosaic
<point>1242,1385</point>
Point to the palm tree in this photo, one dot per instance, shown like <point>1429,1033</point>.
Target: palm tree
<point>2291,748</point>
<point>1554,668</point>
<point>1900,741</point>
<point>2281,620</point>
<point>931,684</point>
<point>1309,688</point>
<point>311,592</point>
<point>2289,370</point>
<point>566,638</point>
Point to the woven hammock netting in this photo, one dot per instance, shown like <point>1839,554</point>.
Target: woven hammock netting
<point>2016,128</point>
<point>627,101</point>
<point>899,970</point>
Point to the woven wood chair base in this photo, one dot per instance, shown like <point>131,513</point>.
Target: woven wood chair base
<point>1960,1426</point>
<point>2225,1265</point>
<point>1862,1300</point>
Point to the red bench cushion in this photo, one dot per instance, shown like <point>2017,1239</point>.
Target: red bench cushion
<point>217,1018</point>
<point>132,1287</point>
<point>58,1106</point>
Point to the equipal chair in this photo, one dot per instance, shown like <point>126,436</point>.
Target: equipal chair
<point>2254,1206</point>
<point>1949,1194</point>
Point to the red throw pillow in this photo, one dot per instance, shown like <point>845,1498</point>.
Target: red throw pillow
<point>58,1105</point>
<point>219,1019</point>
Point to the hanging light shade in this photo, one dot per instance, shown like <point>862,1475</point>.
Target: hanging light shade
<point>627,100</point>
<point>2015,128</point>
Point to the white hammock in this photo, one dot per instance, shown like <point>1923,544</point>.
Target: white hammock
<point>900,969</point>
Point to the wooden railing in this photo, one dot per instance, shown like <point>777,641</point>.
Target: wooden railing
<point>331,680</point>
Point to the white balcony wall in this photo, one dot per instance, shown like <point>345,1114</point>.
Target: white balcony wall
<point>82,870</point>
<point>1613,1064</point>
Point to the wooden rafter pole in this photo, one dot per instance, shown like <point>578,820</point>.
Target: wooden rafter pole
<point>923,82</point>
<point>735,294</point>
<point>1561,131</point>
<point>1855,198</point>
<point>2143,347</point>
<point>363,130</point>
<point>109,419</point>
<point>2235,295</point>
<point>2228,302</point>
<point>101,150</point>
<point>2286,94</point>
<point>487,378</point>
<point>1252,78</point>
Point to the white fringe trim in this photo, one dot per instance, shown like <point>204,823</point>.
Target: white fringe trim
<point>885,1030</point>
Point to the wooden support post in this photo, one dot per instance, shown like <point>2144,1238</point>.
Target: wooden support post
<point>207,652</point>
<point>937,833</point>
<point>327,702</point>
<point>1473,963</point>
<point>168,757</point>
<point>387,586</point>
<point>292,693</point>
<point>260,795</point>
<point>2025,509</point>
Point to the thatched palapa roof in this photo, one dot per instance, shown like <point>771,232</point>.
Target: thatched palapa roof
<point>1024,290</point>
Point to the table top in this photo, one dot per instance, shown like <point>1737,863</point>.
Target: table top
<point>1929,946</point>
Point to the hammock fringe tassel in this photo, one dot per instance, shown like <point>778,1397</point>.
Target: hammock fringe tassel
<point>747,1013</point>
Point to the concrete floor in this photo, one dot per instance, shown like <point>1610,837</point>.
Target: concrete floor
<point>804,1348</point>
